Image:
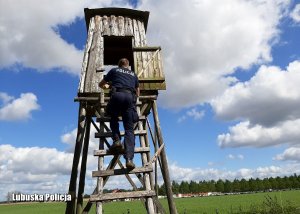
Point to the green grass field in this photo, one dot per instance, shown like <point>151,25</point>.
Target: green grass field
<point>223,204</point>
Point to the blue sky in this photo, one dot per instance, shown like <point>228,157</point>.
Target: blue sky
<point>230,109</point>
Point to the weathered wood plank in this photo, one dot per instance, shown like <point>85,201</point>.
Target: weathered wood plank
<point>122,195</point>
<point>164,162</point>
<point>121,25</point>
<point>145,160</point>
<point>160,65</point>
<point>137,43</point>
<point>128,27</point>
<point>107,152</point>
<point>105,23</point>
<point>152,80</point>
<point>146,48</point>
<point>112,172</point>
<point>91,79</point>
<point>143,42</point>
<point>107,119</point>
<point>97,76</point>
<point>86,55</point>
<point>114,31</point>
<point>109,134</point>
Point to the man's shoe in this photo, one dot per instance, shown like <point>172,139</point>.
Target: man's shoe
<point>116,147</point>
<point>129,164</point>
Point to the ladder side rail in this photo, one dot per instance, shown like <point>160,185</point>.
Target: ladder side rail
<point>99,205</point>
<point>150,205</point>
<point>164,169</point>
<point>83,166</point>
<point>70,209</point>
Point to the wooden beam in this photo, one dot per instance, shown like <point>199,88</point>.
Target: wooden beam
<point>164,162</point>
<point>104,173</point>
<point>122,195</point>
<point>146,48</point>
<point>83,166</point>
<point>109,134</point>
<point>152,80</point>
<point>70,209</point>
<point>107,119</point>
<point>107,152</point>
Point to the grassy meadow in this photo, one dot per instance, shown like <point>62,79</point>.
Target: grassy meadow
<point>197,205</point>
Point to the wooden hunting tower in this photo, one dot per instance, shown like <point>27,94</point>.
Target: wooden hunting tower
<point>115,33</point>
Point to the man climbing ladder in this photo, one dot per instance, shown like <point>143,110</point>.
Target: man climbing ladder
<point>124,90</point>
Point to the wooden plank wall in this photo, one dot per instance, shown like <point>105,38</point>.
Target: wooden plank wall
<point>93,60</point>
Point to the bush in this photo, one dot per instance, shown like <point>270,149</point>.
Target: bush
<point>271,206</point>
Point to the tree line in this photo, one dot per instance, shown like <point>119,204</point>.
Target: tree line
<point>227,186</point>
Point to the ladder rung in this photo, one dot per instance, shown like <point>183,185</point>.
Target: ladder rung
<point>105,104</point>
<point>122,195</point>
<point>106,152</point>
<point>104,173</point>
<point>107,119</point>
<point>109,134</point>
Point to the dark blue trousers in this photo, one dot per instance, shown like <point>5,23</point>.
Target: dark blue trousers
<point>122,103</point>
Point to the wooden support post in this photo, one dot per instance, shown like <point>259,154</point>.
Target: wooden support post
<point>147,176</point>
<point>83,166</point>
<point>70,209</point>
<point>100,182</point>
<point>164,163</point>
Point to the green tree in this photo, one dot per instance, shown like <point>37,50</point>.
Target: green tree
<point>253,186</point>
<point>175,187</point>
<point>267,184</point>
<point>202,186</point>
<point>227,186</point>
<point>211,186</point>
<point>184,187</point>
<point>260,184</point>
<point>194,187</point>
<point>244,185</point>
<point>220,186</point>
<point>162,189</point>
<point>236,187</point>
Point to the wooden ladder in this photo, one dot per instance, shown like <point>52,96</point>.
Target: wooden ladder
<point>144,173</point>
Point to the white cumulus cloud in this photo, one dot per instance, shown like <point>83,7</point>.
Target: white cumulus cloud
<point>179,173</point>
<point>192,113</point>
<point>38,170</point>
<point>234,157</point>
<point>203,41</point>
<point>14,109</point>
<point>295,14</point>
<point>244,134</point>
<point>292,153</point>
<point>28,33</point>
<point>267,104</point>
<point>272,95</point>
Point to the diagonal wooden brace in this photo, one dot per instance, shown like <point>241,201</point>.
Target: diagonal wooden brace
<point>157,153</point>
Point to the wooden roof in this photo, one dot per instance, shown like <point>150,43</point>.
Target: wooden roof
<point>108,11</point>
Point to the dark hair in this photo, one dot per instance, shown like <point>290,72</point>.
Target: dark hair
<point>123,62</point>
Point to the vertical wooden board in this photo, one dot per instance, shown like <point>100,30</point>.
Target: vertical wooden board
<point>160,65</point>
<point>105,24</point>
<point>137,41</point>
<point>113,26</point>
<point>96,75</point>
<point>121,27</point>
<point>93,58</point>
<point>86,55</point>
<point>138,55</point>
<point>142,33</point>
<point>151,67</point>
<point>128,27</point>
<point>142,36</point>
<point>156,67</point>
